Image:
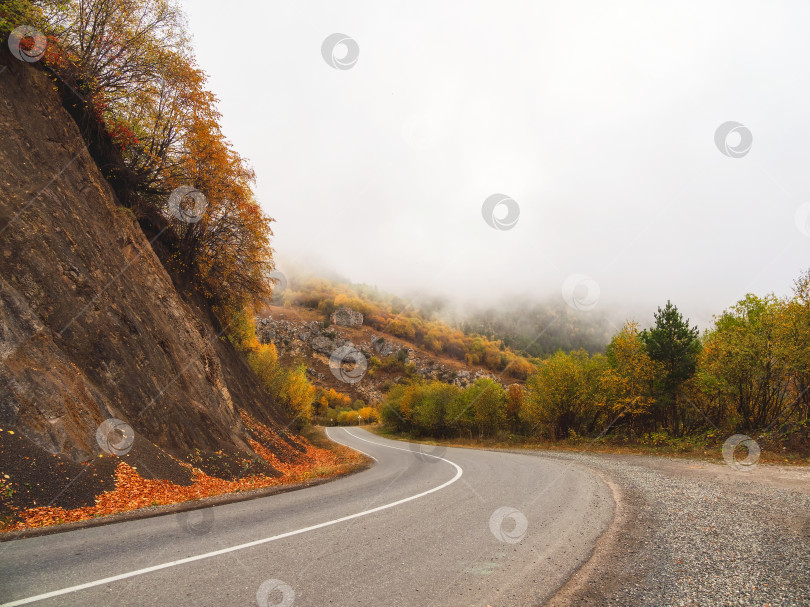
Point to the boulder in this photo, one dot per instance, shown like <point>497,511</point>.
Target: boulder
<point>322,344</point>
<point>346,317</point>
<point>383,347</point>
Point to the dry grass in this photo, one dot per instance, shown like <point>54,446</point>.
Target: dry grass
<point>703,447</point>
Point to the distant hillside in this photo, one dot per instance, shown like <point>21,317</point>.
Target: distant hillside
<point>500,340</point>
<point>301,336</point>
<point>539,329</point>
<point>399,318</point>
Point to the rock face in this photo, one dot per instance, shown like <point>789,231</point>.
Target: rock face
<point>346,317</point>
<point>309,340</point>
<point>383,347</point>
<point>91,326</point>
<point>324,345</point>
<point>296,336</point>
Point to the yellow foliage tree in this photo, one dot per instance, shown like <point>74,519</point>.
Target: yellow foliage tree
<point>289,385</point>
<point>368,414</point>
<point>627,384</point>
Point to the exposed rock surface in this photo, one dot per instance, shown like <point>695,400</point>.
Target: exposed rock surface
<point>346,317</point>
<point>383,347</point>
<point>91,326</point>
<point>302,340</point>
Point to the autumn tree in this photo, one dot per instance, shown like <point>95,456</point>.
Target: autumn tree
<point>288,385</point>
<point>627,385</point>
<point>348,418</point>
<point>460,418</point>
<point>488,401</point>
<point>561,396</point>
<point>16,12</point>
<point>740,366</point>
<point>792,342</point>
<point>227,252</point>
<point>368,414</point>
<point>397,408</point>
<point>435,399</point>
<point>515,397</point>
<point>116,46</point>
<point>130,66</point>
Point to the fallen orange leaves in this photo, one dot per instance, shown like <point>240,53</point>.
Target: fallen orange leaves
<point>132,491</point>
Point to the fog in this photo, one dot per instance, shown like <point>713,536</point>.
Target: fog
<point>599,120</point>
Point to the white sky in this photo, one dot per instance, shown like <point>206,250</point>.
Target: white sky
<point>597,118</point>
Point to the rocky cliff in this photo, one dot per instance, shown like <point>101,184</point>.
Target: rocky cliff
<point>301,338</point>
<point>91,326</point>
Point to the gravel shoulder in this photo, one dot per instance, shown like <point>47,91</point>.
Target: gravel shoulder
<point>691,533</point>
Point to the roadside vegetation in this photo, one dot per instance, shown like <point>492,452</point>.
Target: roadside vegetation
<point>665,387</point>
<point>333,408</point>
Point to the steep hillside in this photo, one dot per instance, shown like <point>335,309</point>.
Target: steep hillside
<point>299,336</point>
<point>403,320</point>
<point>92,327</point>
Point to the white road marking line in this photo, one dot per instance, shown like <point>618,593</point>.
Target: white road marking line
<point>199,557</point>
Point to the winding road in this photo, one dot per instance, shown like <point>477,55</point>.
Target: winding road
<point>423,526</point>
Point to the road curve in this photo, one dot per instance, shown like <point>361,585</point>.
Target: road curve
<point>433,527</point>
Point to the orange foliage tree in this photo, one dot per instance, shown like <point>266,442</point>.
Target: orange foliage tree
<point>130,63</point>
<point>515,397</point>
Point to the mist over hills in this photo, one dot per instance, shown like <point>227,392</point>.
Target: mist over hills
<point>528,325</point>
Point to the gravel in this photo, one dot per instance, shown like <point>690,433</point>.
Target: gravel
<point>696,533</point>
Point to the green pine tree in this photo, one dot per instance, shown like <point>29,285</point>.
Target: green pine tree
<point>674,344</point>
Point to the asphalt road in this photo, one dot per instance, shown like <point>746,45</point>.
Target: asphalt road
<point>444,527</point>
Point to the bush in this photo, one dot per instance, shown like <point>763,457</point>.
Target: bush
<point>348,418</point>
<point>289,385</point>
<point>488,401</point>
<point>561,396</point>
<point>439,409</point>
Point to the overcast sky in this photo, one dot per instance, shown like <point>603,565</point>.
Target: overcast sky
<point>597,118</point>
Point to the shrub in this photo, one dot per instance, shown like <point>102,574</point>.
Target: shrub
<point>561,395</point>
<point>289,385</point>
